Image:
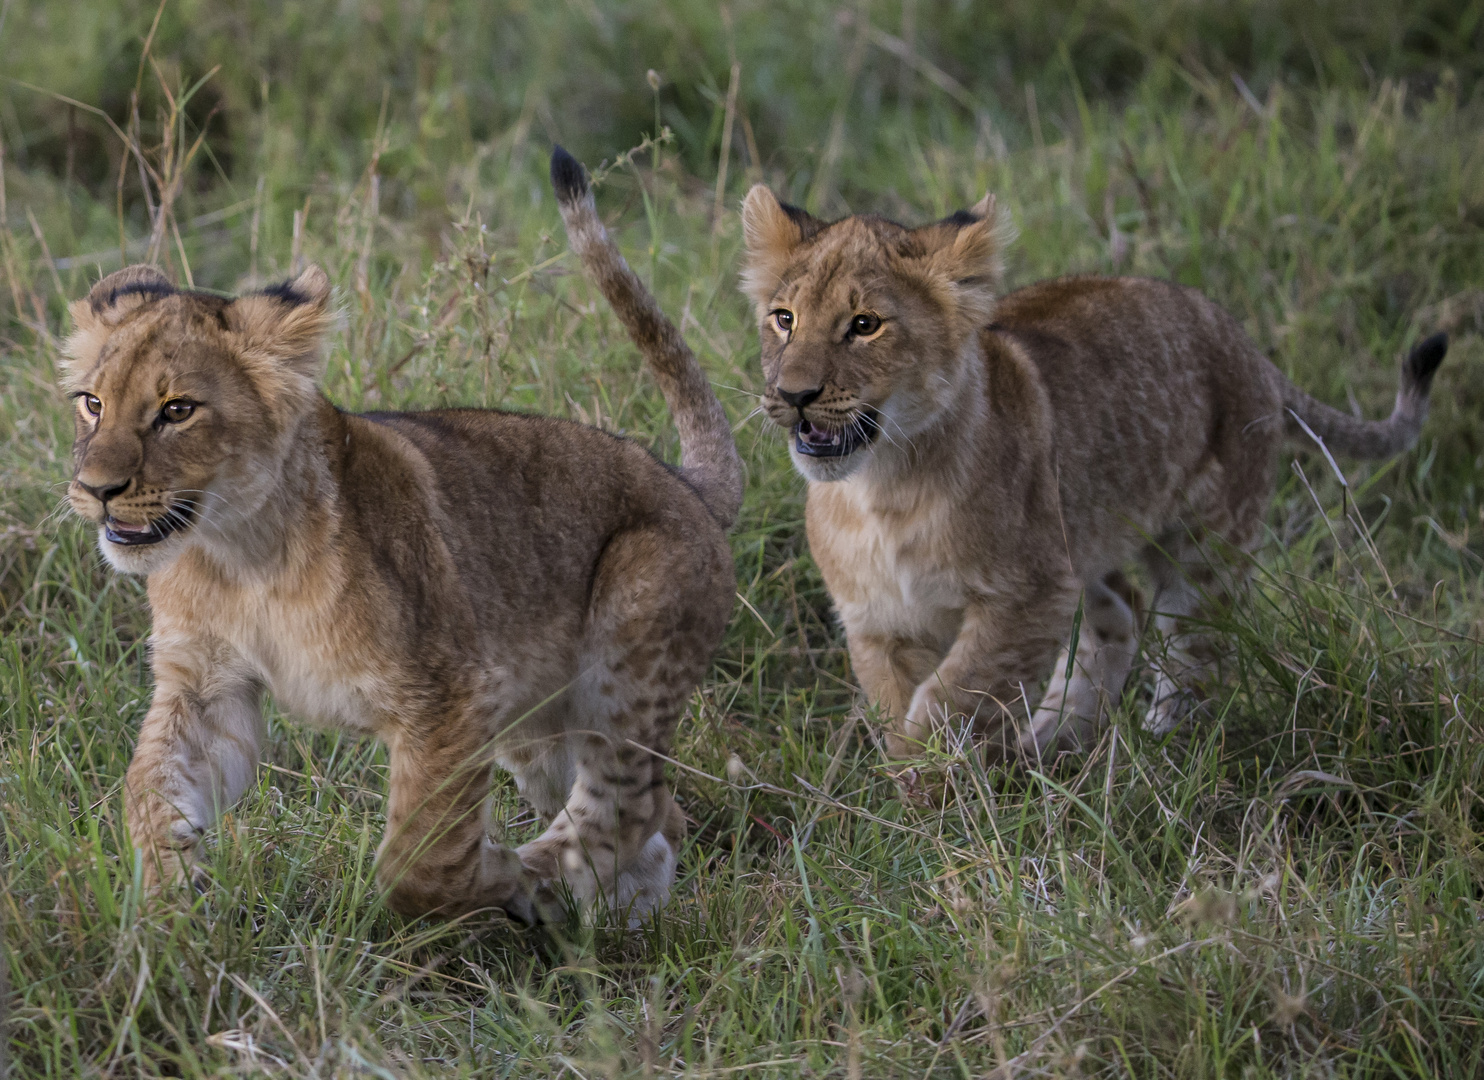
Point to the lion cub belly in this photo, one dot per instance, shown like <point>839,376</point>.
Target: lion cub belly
<point>890,574</point>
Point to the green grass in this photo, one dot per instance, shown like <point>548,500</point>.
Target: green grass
<point>1288,888</point>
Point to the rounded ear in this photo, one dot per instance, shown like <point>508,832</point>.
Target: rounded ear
<point>767,228</point>
<point>772,231</point>
<point>978,246</point>
<point>285,322</point>
<point>965,252</point>
<point>984,209</point>
<point>107,304</point>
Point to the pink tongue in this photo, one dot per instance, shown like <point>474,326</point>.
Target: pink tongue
<point>123,526</point>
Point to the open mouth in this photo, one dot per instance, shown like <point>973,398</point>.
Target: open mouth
<point>127,535</point>
<point>814,441</point>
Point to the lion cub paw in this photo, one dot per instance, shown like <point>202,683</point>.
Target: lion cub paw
<point>644,887</point>
<point>639,890</point>
<point>1169,711</point>
<point>172,864</point>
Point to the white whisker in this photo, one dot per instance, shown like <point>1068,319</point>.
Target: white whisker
<point>200,491</point>
<point>760,410</point>
<point>64,504</point>
<point>881,418</point>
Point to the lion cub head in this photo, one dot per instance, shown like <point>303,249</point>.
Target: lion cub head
<point>185,402</point>
<point>865,323</point>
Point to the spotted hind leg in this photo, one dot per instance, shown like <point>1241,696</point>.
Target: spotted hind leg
<point>1076,701</point>
<point>656,616</point>
<point>1193,584</point>
<point>609,844</point>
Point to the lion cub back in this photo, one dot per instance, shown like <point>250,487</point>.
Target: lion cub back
<point>1151,387</point>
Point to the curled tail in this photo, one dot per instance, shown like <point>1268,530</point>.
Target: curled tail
<point>1346,435</point>
<point>708,455</point>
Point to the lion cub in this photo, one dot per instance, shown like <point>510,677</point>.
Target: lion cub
<point>469,586</point>
<point>979,466</point>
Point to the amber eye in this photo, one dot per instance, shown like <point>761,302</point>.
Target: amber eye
<point>784,320</point>
<point>865,324</point>
<point>92,404</point>
<point>176,411</point>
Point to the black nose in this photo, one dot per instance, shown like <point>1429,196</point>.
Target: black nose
<point>103,494</point>
<point>800,399</point>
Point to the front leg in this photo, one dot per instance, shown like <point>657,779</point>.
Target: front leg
<point>437,857</point>
<point>1002,651</point>
<point>197,753</point>
<point>889,667</point>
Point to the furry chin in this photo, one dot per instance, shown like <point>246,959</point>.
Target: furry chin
<point>139,559</point>
<point>828,469</point>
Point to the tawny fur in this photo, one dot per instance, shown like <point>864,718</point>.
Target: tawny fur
<point>471,587</point>
<point>1013,456</point>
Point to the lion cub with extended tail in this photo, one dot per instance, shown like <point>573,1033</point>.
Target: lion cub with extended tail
<point>979,465</point>
<point>469,586</point>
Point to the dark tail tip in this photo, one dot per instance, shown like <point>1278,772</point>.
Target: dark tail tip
<point>1424,360</point>
<point>567,176</point>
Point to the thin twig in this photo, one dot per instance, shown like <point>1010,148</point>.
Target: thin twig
<point>923,66</point>
<point>824,184</point>
<point>46,252</point>
<point>726,145</point>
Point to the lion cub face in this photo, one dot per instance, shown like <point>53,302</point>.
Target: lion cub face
<point>183,401</point>
<point>863,324</point>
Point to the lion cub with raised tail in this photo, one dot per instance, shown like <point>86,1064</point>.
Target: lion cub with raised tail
<point>471,587</point>
<point>979,466</point>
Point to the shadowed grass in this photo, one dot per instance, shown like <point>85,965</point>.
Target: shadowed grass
<point>1288,887</point>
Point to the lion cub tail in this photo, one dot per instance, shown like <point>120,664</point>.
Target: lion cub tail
<point>1305,419</point>
<point>708,455</point>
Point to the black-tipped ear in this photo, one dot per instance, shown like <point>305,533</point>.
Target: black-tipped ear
<point>964,254</point>
<point>568,178</point>
<point>310,287</point>
<point>1423,361</point>
<point>123,291</point>
<point>285,322</point>
<point>106,305</point>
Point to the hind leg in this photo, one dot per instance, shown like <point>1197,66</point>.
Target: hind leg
<point>1197,563</point>
<point>658,612</point>
<point>1072,707</point>
<point>1191,587</point>
<point>566,780</point>
<point>608,843</point>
